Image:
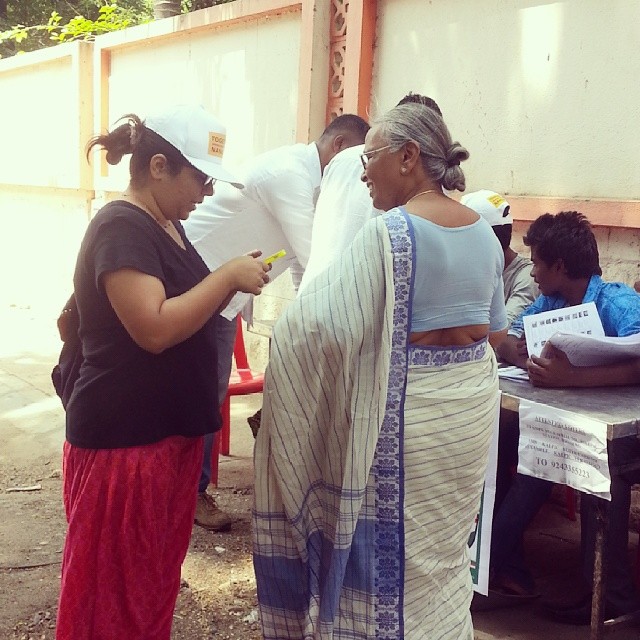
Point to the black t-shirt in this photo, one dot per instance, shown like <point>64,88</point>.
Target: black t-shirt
<point>126,396</point>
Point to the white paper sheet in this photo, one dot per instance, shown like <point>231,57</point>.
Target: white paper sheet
<point>564,447</point>
<point>513,373</point>
<point>582,318</point>
<point>589,350</point>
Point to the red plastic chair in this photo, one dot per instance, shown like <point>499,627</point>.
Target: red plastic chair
<point>243,381</point>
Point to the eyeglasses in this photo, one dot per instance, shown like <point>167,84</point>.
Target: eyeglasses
<point>204,178</point>
<point>366,156</point>
<point>201,176</point>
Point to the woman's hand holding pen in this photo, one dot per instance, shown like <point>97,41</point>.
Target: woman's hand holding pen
<point>247,273</point>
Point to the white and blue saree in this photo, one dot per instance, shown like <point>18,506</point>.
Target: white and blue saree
<point>370,459</point>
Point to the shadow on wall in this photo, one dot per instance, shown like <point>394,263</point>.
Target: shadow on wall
<point>534,91</point>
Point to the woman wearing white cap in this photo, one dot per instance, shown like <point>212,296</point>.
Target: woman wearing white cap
<point>147,388</point>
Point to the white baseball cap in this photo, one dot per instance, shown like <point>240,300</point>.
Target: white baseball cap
<point>197,135</point>
<point>490,205</point>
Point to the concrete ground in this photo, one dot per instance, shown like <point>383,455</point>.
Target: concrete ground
<point>31,425</point>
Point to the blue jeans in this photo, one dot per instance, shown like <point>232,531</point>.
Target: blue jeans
<point>225,339</point>
<point>523,500</point>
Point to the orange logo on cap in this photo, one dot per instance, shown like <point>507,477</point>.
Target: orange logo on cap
<point>496,200</point>
<point>216,144</point>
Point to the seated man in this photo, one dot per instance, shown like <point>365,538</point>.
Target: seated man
<point>567,270</point>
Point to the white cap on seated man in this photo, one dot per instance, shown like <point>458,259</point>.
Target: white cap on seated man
<point>490,205</point>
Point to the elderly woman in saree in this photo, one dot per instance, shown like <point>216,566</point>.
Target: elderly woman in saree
<point>381,397</point>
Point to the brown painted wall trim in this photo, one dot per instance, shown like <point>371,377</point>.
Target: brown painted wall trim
<point>623,214</point>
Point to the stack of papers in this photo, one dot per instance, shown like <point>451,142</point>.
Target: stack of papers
<point>513,373</point>
<point>579,333</point>
<point>588,350</point>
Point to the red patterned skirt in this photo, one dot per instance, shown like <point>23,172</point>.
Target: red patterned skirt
<point>130,514</point>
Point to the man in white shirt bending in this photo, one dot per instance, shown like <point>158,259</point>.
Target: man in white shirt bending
<point>344,205</point>
<point>274,211</point>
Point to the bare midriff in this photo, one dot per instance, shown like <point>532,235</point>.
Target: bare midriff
<point>450,336</point>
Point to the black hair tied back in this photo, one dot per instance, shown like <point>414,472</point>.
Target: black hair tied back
<point>121,141</point>
<point>135,132</point>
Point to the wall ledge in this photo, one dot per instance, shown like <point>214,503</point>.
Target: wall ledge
<point>218,17</point>
<point>623,214</point>
<point>50,55</point>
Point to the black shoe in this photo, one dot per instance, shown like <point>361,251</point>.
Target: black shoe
<point>552,607</point>
<point>254,422</point>
<point>580,615</point>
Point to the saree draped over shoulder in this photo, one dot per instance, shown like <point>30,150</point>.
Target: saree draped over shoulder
<point>370,458</point>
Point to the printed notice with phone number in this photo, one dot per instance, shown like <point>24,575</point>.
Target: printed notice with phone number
<point>565,448</point>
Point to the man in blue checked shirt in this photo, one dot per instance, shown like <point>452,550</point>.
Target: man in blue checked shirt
<point>567,271</point>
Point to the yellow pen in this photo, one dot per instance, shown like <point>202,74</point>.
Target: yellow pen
<point>280,254</point>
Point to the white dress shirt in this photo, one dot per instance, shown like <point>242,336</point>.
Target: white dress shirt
<point>274,211</point>
<point>344,205</point>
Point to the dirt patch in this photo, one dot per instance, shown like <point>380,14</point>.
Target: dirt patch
<point>218,594</point>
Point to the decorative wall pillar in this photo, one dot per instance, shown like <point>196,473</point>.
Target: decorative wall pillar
<point>337,58</point>
<point>336,62</point>
<point>351,41</point>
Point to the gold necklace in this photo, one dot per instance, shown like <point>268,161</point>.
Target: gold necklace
<point>419,194</point>
<point>166,225</point>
